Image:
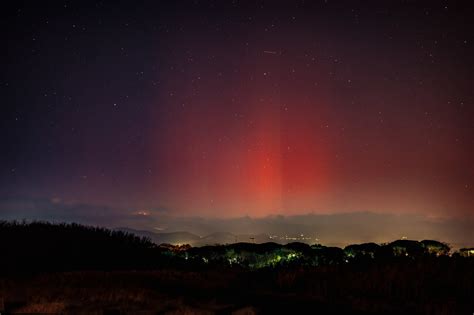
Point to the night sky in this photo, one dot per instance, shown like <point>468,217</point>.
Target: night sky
<point>236,108</point>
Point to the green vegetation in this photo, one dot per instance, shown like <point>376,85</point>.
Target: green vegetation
<point>255,256</point>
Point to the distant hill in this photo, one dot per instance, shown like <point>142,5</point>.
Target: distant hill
<point>182,237</point>
<point>339,229</point>
<point>174,238</point>
<point>218,238</point>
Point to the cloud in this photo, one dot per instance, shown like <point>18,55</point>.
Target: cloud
<point>57,210</point>
<point>337,229</point>
<point>53,209</point>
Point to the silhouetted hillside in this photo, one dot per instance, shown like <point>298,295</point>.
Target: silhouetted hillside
<point>46,246</point>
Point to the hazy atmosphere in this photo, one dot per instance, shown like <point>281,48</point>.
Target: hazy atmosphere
<point>237,157</point>
<point>340,122</point>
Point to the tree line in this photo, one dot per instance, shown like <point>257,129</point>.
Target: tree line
<point>44,246</point>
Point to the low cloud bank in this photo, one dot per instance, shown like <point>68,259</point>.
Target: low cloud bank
<point>332,229</point>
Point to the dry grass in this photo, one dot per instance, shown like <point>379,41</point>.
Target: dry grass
<point>53,307</point>
<point>436,288</point>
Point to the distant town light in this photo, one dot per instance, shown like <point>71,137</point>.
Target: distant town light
<point>142,213</point>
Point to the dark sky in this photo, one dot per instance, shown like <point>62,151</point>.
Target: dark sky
<point>233,108</point>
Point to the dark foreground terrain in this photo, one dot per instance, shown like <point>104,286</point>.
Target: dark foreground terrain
<point>71,269</point>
